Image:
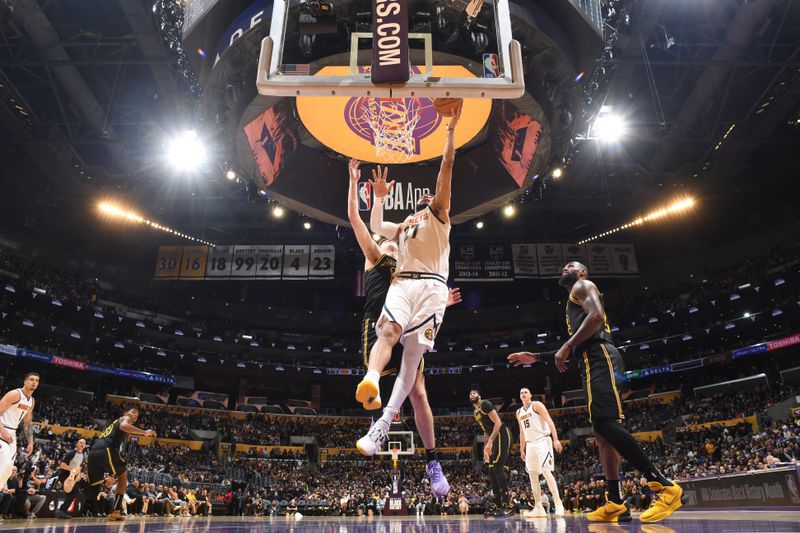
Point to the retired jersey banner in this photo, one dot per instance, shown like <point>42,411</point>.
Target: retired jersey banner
<point>482,262</point>
<point>246,262</point>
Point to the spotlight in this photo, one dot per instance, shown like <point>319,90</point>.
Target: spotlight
<point>609,128</point>
<point>557,172</point>
<point>307,225</point>
<point>231,175</point>
<point>278,211</point>
<point>186,151</point>
<point>508,211</point>
<point>479,224</point>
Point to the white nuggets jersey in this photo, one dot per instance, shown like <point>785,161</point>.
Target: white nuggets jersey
<point>14,414</point>
<point>424,244</point>
<point>533,424</point>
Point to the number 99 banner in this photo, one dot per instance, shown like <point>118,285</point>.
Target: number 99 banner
<point>253,262</point>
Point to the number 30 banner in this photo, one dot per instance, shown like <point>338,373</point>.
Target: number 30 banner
<point>275,262</point>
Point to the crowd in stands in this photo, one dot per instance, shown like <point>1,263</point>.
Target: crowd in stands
<point>643,321</point>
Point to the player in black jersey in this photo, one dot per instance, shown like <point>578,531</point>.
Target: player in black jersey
<point>105,458</point>
<point>496,451</point>
<point>379,265</point>
<point>601,366</point>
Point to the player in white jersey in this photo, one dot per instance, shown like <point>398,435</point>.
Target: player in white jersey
<point>16,407</point>
<point>417,298</point>
<point>537,438</point>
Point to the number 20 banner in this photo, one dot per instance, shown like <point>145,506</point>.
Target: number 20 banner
<point>246,262</point>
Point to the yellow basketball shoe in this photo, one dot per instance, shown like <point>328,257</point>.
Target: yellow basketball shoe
<point>610,512</point>
<point>666,501</point>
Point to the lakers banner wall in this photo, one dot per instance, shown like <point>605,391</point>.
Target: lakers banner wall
<point>546,260</point>
<point>246,262</point>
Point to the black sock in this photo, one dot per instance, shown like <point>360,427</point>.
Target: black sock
<point>494,485</point>
<point>118,502</point>
<point>431,455</point>
<point>502,484</point>
<point>613,491</point>
<point>626,445</point>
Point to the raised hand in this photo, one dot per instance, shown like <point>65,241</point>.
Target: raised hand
<point>523,358</point>
<point>456,115</point>
<point>355,171</point>
<point>378,181</point>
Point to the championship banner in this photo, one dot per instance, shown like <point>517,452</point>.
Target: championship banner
<point>601,262</point>
<point>482,262</point>
<point>550,260</point>
<point>574,252</point>
<point>525,265</point>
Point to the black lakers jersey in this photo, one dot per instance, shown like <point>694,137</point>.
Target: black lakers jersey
<point>481,415</point>
<point>575,317</point>
<point>376,284</point>
<point>112,437</point>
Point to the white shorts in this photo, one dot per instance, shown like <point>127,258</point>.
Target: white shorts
<point>8,452</point>
<point>539,456</point>
<point>417,306</point>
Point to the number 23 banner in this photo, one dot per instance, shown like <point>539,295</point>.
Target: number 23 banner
<point>253,262</point>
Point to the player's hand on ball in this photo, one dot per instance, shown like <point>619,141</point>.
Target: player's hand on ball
<point>378,181</point>
<point>562,355</point>
<point>454,296</point>
<point>456,115</point>
<point>557,446</point>
<point>355,171</point>
<point>523,358</point>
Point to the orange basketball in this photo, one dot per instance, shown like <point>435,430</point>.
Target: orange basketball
<point>447,106</point>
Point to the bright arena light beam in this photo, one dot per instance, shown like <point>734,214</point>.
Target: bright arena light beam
<point>678,207</point>
<point>186,152</point>
<point>111,210</point>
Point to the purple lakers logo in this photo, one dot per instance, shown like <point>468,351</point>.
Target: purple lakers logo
<point>360,115</point>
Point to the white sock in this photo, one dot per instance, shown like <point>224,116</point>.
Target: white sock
<point>551,484</point>
<point>373,375</point>
<point>404,382</point>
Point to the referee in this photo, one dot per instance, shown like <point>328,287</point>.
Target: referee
<point>105,458</point>
<point>71,462</point>
<point>496,456</point>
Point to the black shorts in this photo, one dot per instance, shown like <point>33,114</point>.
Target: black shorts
<point>603,373</point>
<point>368,338</point>
<point>104,461</point>
<point>501,450</point>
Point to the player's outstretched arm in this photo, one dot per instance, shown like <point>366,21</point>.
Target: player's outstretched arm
<point>365,242</point>
<point>440,205</point>
<point>27,428</point>
<point>381,188</point>
<point>127,427</point>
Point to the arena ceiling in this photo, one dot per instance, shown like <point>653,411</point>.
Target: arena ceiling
<point>89,90</point>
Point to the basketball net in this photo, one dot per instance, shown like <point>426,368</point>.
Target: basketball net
<point>395,454</point>
<point>392,121</point>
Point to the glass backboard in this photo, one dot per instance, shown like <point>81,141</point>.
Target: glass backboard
<point>456,48</point>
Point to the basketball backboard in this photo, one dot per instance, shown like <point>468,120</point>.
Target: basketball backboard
<point>456,48</point>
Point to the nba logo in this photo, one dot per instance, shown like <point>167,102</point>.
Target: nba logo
<point>364,196</point>
<point>491,68</point>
